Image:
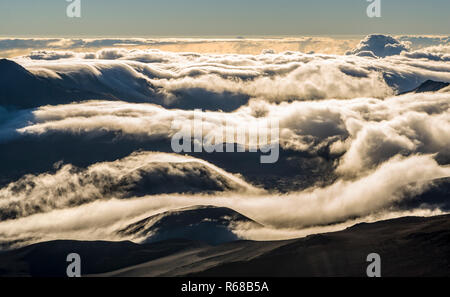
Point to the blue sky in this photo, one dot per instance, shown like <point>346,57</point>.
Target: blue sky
<point>222,18</point>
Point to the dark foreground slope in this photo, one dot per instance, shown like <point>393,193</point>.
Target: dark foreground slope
<point>410,246</point>
<point>49,258</point>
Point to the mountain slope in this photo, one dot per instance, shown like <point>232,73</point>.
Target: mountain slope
<point>21,88</point>
<point>49,258</point>
<point>209,224</point>
<point>429,86</point>
<point>52,85</point>
<point>408,246</point>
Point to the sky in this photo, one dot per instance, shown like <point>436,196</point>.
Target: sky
<point>221,18</point>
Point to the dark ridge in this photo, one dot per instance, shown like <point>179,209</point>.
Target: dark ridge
<point>8,65</point>
<point>408,246</point>
<point>208,224</point>
<point>48,259</point>
<point>20,88</point>
<point>428,86</point>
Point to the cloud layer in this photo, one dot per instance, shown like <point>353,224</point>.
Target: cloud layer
<point>137,175</point>
<point>379,46</point>
<point>10,47</point>
<point>364,131</point>
<point>380,148</point>
<point>294,214</point>
<point>227,81</point>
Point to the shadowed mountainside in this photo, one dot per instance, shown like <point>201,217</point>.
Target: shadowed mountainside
<point>408,246</point>
<point>20,88</point>
<point>429,86</point>
<point>209,224</point>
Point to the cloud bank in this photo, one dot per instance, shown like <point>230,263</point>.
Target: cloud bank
<point>293,213</point>
<point>137,175</point>
<point>364,131</point>
<point>379,46</point>
<point>13,46</point>
<point>227,81</point>
<point>10,47</point>
<point>381,148</point>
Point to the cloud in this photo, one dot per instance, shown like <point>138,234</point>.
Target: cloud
<point>11,121</point>
<point>276,233</point>
<point>364,131</point>
<point>380,46</point>
<point>11,47</point>
<point>418,42</point>
<point>433,53</point>
<point>294,214</point>
<point>137,175</point>
<point>226,82</point>
<point>51,55</point>
<point>380,149</point>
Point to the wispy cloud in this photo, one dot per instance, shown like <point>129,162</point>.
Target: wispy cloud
<point>381,148</point>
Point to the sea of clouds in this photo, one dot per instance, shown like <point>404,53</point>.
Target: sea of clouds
<point>383,143</point>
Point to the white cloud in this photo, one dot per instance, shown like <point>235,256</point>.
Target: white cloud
<point>418,41</point>
<point>366,131</point>
<point>434,53</point>
<point>383,148</point>
<point>192,80</point>
<point>139,174</point>
<point>11,47</point>
<point>295,214</point>
<point>380,46</point>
